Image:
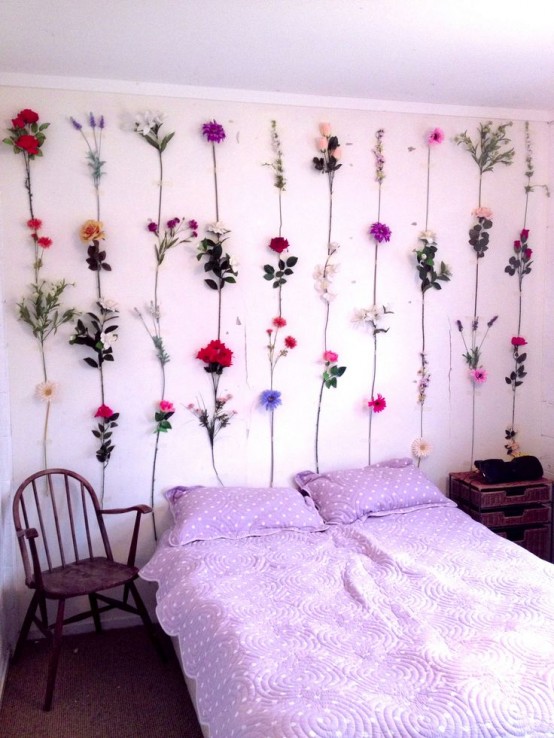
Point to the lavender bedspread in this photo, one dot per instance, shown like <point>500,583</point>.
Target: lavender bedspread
<point>417,624</point>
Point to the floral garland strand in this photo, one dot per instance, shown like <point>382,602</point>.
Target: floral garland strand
<point>96,330</point>
<point>331,374</point>
<point>176,231</point>
<point>223,267</point>
<point>327,163</point>
<point>430,278</point>
<point>270,398</point>
<point>371,317</point>
<point>490,148</point>
<point>41,309</point>
<point>520,264</point>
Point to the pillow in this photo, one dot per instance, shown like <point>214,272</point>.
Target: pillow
<point>393,486</point>
<point>207,513</point>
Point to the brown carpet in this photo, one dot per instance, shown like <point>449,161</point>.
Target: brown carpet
<point>111,684</point>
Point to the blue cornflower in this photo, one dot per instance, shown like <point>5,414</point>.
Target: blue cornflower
<point>270,399</point>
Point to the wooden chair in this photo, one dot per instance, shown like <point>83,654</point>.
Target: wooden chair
<point>66,553</point>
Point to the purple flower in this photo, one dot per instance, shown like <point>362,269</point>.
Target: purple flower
<point>380,232</point>
<point>91,120</point>
<point>213,131</point>
<point>75,123</point>
<point>193,225</point>
<point>173,223</point>
<point>101,122</point>
<point>152,227</point>
<point>270,399</point>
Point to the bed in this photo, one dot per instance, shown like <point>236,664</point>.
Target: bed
<point>369,606</point>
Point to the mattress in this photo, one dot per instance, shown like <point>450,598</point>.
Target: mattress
<point>413,625</point>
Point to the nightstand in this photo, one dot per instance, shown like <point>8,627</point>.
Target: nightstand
<point>519,511</point>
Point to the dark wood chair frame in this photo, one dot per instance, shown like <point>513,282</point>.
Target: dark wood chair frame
<point>77,575</point>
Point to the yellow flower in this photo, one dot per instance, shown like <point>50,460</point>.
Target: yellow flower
<point>92,230</point>
<point>46,391</point>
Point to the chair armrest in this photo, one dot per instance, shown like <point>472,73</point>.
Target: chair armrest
<point>140,510</point>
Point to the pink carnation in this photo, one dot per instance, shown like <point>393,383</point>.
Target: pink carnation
<point>436,136</point>
<point>479,376</point>
<point>330,357</point>
<point>166,407</point>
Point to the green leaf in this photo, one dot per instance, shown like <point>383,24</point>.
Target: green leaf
<point>292,261</point>
<point>211,284</point>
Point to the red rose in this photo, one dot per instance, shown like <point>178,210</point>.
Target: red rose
<point>216,352</point>
<point>519,341</point>
<point>18,122</point>
<point>527,254</point>
<point>517,245</point>
<point>104,411</point>
<point>28,144</point>
<point>28,116</point>
<point>524,235</point>
<point>279,244</point>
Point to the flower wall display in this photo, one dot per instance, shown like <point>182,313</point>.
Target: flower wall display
<point>249,362</point>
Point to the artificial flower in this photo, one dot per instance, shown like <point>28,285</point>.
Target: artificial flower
<point>218,228</point>
<point>421,448</point>
<point>482,212</point>
<point>166,406</point>
<point>290,342</point>
<point>148,121</point>
<point>215,353</point>
<point>378,404</point>
<point>34,224</point>
<point>44,242</point>
<point>325,129</point>
<point>213,131</point>
<point>519,341</point>
<point>436,136</point>
<point>28,116</point>
<point>380,232</point>
<point>527,254</point>
<point>104,411</point>
<point>107,304</point>
<point>193,225</point>
<point>479,376</point>
<point>108,339</point>
<point>428,236</point>
<point>330,357</point>
<point>279,244</point>
<point>46,391</point>
<point>29,144</point>
<point>279,322</point>
<point>92,230</point>
<point>524,235</point>
<point>270,399</point>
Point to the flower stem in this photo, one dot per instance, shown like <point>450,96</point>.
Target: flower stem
<point>317,427</point>
<point>272,447</point>
<point>153,483</point>
<point>215,183</point>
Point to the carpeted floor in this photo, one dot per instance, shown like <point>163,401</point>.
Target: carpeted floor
<point>108,685</point>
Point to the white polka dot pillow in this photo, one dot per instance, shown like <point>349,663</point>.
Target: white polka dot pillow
<point>207,513</point>
<point>381,489</point>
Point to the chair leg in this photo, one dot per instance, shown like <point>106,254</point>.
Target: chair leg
<point>95,613</point>
<point>54,656</point>
<point>148,624</point>
<point>26,626</point>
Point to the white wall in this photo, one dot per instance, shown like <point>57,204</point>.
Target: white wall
<point>248,204</point>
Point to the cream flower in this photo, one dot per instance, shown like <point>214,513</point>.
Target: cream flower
<point>146,121</point>
<point>482,213</point>
<point>106,304</point>
<point>108,339</point>
<point>218,228</point>
<point>46,391</point>
<point>428,236</point>
<point>421,448</point>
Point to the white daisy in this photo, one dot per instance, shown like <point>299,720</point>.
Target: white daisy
<point>421,448</point>
<point>46,391</point>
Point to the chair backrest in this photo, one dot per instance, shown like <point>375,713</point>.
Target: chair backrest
<point>64,510</point>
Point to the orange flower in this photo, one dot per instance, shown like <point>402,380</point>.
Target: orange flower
<point>92,230</point>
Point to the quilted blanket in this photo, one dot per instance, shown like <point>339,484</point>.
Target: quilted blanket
<point>415,625</point>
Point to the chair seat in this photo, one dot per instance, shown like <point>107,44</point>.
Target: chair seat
<point>84,577</point>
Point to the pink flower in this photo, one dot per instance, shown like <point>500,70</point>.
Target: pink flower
<point>321,144</point>
<point>166,407</point>
<point>325,129</point>
<point>482,212</point>
<point>279,322</point>
<point>519,341</point>
<point>436,136</point>
<point>478,375</point>
<point>104,411</point>
<point>377,405</point>
<point>290,342</point>
<point>34,224</point>
<point>330,357</point>
<point>337,153</point>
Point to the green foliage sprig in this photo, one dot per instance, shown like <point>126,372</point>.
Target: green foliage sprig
<point>430,278</point>
<point>490,148</point>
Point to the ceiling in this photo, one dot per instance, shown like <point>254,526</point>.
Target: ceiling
<point>497,53</point>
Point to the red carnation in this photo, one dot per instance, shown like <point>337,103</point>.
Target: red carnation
<point>18,122</point>
<point>279,322</point>
<point>519,341</point>
<point>28,116</point>
<point>279,244</point>
<point>28,143</point>
<point>45,242</point>
<point>34,224</point>
<point>290,342</point>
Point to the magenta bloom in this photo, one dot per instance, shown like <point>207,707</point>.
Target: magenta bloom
<point>279,244</point>
<point>104,411</point>
<point>378,404</point>
<point>330,357</point>
<point>166,406</point>
<point>435,137</point>
<point>173,223</point>
<point>478,375</point>
<point>524,235</point>
<point>152,227</point>
<point>518,341</point>
<point>213,132</point>
<point>527,254</point>
<point>380,232</point>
